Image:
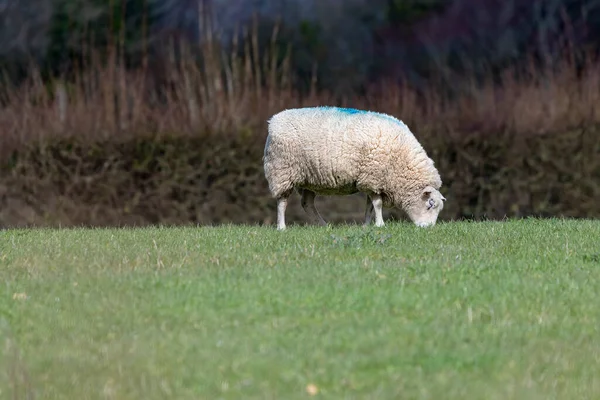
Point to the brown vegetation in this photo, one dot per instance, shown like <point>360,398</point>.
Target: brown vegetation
<point>117,147</point>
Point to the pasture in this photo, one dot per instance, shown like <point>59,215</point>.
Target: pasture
<point>465,310</point>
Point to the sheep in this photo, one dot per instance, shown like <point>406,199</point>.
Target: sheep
<point>341,151</point>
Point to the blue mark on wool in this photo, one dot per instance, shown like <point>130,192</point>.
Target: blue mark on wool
<point>351,111</point>
<point>344,110</point>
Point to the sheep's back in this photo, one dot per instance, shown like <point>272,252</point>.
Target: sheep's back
<point>332,150</point>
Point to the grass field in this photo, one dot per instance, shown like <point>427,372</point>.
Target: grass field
<point>490,310</point>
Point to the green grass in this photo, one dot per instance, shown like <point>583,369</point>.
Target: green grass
<point>492,310</point>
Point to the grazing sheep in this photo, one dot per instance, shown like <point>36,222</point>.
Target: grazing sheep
<point>341,151</point>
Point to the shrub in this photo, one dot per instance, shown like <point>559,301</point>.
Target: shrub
<point>104,150</point>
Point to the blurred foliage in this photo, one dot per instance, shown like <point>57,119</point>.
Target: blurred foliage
<point>352,43</point>
<point>79,26</point>
<point>407,11</point>
<point>480,39</point>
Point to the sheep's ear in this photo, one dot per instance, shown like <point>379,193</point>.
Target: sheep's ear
<point>443,198</point>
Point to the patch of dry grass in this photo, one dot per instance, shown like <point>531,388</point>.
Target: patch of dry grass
<point>236,91</point>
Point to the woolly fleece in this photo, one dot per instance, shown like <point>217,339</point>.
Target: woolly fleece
<point>341,151</point>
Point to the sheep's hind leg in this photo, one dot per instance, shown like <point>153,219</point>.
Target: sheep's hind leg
<point>368,211</point>
<point>281,206</point>
<point>378,207</point>
<point>308,204</point>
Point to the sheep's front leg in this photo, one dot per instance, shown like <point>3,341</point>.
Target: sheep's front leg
<point>281,206</point>
<point>378,207</point>
<point>368,211</point>
<point>308,204</point>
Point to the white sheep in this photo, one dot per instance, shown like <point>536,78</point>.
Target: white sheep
<point>341,151</point>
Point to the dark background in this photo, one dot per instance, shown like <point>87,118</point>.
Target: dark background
<point>135,112</point>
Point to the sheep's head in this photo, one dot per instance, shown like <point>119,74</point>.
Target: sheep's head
<point>424,207</point>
